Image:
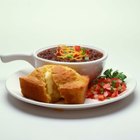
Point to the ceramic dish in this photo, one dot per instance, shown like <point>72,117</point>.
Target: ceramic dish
<point>91,68</point>
<point>13,87</point>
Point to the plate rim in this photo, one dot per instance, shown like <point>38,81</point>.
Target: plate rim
<point>69,106</point>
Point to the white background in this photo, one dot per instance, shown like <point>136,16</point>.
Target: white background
<point>113,25</point>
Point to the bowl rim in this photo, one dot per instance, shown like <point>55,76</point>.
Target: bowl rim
<point>105,55</point>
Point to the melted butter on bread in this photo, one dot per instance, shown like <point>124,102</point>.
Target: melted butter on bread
<point>51,88</point>
<point>49,82</point>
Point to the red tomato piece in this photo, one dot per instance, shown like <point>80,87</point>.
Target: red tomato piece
<point>89,94</point>
<point>97,88</point>
<point>106,93</point>
<point>114,94</point>
<point>123,87</point>
<point>117,84</point>
<point>87,52</point>
<point>107,86</point>
<point>101,97</point>
<point>109,94</point>
<point>76,55</point>
<point>77,48</point>
<point>58,54</point>
<point>101,80</point>
<point>108,80</point>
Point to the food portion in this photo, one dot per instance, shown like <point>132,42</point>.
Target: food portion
<point>110,85</point>
<point>64,53</point>
<point>54,83</point>
<point>51,83</point>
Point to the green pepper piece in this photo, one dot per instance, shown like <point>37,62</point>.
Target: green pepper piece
<point>83,51</point>
<point>69,56</point>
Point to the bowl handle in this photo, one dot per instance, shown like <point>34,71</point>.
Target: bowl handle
<point>11,57</point>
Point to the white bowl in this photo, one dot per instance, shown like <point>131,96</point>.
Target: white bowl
<point>91,68</point>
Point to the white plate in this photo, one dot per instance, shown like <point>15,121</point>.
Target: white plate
<point>12,85</point>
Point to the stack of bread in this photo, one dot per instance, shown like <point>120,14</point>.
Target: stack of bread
<point>52,83</point>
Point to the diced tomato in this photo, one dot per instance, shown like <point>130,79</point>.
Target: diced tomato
<point>123,87</point>
<point>76,55</point>
<point>94,92</point>
<point>106,93</point>
<point>101,80</point>
<point>97,88</point>
<point>77,48</point>
<point>117,84</point>
<point>101,97</point>
<point>58,53</point>
<point>109,93</point>
<point>87,52</point>
<point>89,94</point>
<point>119,81</point>
<point>114,94</point>
<point>106,88</point>
<point>107,80</point>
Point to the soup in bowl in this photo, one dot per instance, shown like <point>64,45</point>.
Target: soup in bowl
<point>65,53</point>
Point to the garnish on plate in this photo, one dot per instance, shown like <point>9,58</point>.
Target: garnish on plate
<point>110,85</point>
<point>72,52</point>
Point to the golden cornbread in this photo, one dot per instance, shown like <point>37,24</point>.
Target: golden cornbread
<point>50,83</point>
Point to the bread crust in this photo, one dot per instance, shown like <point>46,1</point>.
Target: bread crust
<point>74,93</point>
<point>32,88</point>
